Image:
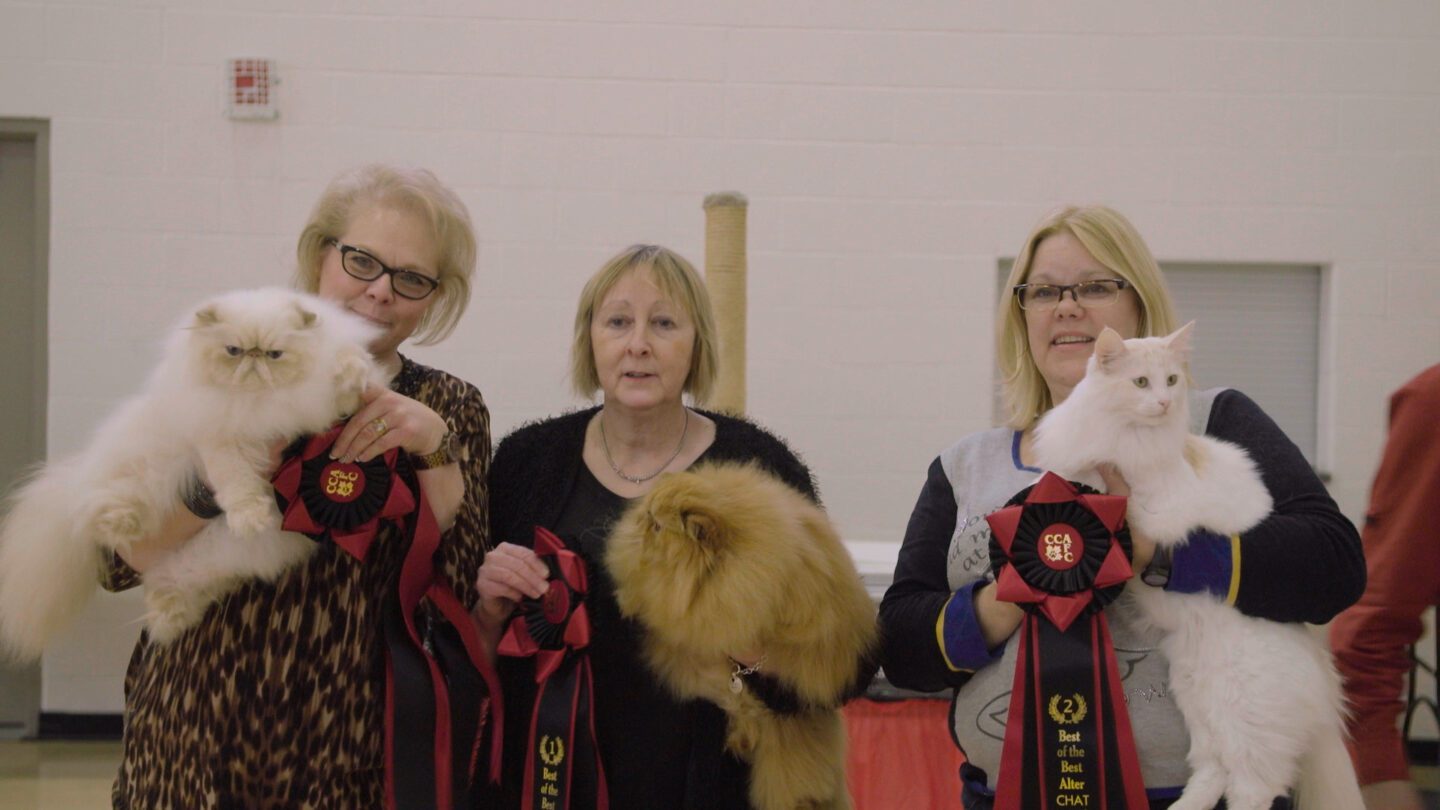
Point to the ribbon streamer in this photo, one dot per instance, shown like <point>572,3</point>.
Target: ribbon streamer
<point>440,685</point>
<point>562,760</point>
<point>1061,552</point>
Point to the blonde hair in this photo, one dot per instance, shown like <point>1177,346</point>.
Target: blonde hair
<point>415,191</point>
<point>1112,241</point>
<point>678,280</point>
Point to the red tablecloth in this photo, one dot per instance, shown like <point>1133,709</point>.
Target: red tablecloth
<point>901,755</point>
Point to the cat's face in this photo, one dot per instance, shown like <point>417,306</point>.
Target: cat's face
<point>691,527</point>
<point>1062,339</point>
<point>682,527</point>
<point>249,349</point>
<point>1143,379</point>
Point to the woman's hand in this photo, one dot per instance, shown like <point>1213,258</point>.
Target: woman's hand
<point>386,420</point>
<point>1142,548</point>
<point>509,574</point>
<point>998,619</point>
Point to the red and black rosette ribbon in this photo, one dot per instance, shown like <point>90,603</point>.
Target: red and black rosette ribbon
<point>562,761</point>
<point>326,499</point>
<point>1061,551</point>
<point>439,681</point>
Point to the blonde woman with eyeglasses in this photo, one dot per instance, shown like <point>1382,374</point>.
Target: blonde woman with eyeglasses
<point>277,698</point>
<point>1080,271</point>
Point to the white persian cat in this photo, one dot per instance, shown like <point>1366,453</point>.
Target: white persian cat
<point>1261,699</point>
<point>242,372</point>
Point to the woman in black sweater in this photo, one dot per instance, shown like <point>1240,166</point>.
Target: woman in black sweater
<point>644,336</point>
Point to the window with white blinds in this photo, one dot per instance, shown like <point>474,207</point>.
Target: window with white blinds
<point>1257,330</point>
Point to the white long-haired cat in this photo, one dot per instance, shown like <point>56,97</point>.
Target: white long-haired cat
<point>242,372</point>
<point>1261,699</point>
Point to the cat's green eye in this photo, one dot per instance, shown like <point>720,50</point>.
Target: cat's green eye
<point>1174,378</point>
<point>234,351</point>
<point>1141,382</point>
<point>274,354</point>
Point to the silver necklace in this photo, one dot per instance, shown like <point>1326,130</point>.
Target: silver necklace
<point>643,478</point>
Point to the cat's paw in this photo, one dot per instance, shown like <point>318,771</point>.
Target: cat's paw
<point>172,610</point>
<point>119,525</point>
<point>253,515</point>
<point>353,373</point>
<point>742,737</point>
<point>1203,791</point>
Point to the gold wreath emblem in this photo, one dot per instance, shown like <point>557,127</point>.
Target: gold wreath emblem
<point>1067,711</point>
<point>552,750</point>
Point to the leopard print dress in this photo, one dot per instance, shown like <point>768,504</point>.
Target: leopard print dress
<point>276,699</point>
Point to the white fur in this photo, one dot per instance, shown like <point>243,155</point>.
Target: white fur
<point>1261,699</point>
<point>201,409</point>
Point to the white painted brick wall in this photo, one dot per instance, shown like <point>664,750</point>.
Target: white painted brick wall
<point>892,154</point>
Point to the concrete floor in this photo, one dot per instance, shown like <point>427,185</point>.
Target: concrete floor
<point>57,775</point>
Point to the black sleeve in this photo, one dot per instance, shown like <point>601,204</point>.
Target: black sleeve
<point>511,468</point>
<point>502,478</point>
<point>1303,563</point>
<point>775,455</point>
<point>912,605</point>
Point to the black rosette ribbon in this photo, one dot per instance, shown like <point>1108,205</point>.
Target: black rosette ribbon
<point>326,499</point>
<point>562,761</point>
<point>440,683</point>
<point>1061,552</point>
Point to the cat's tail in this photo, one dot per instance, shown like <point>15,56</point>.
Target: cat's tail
<point>48,569</point>
<point>1327,776</point>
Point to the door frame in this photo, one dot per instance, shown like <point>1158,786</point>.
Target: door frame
<point>36,133</point>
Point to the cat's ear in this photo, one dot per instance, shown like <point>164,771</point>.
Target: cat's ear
<point>208,315</point>
<point>307,318</point>
<point>1109,347</point>
<point>1179,340</point>
<point>700,526</point>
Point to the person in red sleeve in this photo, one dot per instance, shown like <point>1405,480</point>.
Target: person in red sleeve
<point>1371,640</point>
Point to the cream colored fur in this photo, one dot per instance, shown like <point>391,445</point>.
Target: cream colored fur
<point>302,364</point>
<point>727,559</point>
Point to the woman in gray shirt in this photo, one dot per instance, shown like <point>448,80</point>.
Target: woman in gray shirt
<point>943,626</point>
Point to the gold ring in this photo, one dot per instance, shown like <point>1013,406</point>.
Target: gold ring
<point>379,424</point>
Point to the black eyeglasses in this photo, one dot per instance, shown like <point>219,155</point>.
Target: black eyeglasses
<point>405,283</point>
<point>1097,292</point>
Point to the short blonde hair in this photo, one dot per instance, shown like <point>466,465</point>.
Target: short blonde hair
<point>678,280</point>
<point>1112,241</point>
<point>416,191</point>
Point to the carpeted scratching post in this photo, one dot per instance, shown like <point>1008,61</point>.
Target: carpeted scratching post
<point>725,277</point>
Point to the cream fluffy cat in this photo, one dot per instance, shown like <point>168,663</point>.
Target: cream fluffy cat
<point>242,372</point>
<point>1261,699</point>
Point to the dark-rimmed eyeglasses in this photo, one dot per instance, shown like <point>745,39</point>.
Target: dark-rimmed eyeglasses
<point>1097,292</point>
<point>405,283</point>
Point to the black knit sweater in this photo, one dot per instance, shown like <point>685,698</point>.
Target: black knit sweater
<point>656,751</point>
<point>536,466</point>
